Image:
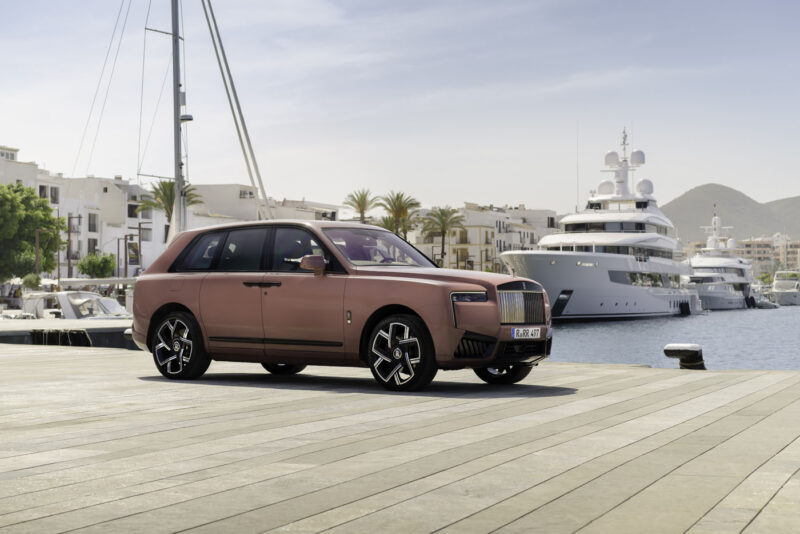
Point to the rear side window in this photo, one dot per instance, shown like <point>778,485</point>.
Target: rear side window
<point>243,250</point>
<point>202,254</point>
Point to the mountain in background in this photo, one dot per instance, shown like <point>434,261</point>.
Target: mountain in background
<point>749,218</point>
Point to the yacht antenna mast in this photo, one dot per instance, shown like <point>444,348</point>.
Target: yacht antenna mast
<point>178,222</point>
<point>624,144</point>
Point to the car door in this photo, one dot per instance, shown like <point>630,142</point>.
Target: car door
<point>230,296</point>
<point>302,312</point>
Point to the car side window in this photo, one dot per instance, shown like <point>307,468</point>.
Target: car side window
<point>290,245</point>
<point>243,250</point>
<point>202,254</point>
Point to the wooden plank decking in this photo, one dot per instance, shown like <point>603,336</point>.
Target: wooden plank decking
<point>95,440</point>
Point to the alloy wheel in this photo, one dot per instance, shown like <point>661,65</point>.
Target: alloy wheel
<point>398,353</point>
<point>174,348</point>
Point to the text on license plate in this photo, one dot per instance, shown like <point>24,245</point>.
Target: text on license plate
<point>526,333</point>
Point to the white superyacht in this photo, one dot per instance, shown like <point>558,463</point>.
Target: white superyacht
<point>722,279</point>
<point>615,258</point>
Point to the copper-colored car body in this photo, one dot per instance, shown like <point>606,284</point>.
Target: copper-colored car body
<point>291,293</point>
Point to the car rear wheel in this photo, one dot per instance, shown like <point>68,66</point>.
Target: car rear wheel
<point>283,368</point>
<point>504,374</point>
<point>178,350</point>
<point>401,355</point>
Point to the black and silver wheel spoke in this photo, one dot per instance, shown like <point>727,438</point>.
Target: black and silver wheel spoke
<point>174,348</point>
<point>398,353</point>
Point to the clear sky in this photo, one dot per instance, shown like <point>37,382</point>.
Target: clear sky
<point>500,102</point>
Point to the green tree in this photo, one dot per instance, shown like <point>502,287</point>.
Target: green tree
<point>400,208</point>
<point>163,199</point>
<point>440,221</point>
<point>32,281</point>
<point>387,222</point>
<point>362,201</point>
<point>22,212</point>
<point>98,265</point>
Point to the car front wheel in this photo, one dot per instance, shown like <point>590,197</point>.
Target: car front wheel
<point>401,355</point>
<point>504,374</point>
<point>178,350</point>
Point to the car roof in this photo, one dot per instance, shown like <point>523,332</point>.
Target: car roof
<point>295,222</point>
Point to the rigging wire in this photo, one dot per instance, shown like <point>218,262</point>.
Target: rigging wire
<point>155,114</point>
<point>108,87</point>
<point>236,100</point>
<point>230,100</point>
<point>97,89</point>
<point>141,97</point>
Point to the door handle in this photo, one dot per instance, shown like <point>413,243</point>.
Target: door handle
<point>261,284</point>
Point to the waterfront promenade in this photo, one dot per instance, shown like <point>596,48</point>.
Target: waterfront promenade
<point>94,439</point>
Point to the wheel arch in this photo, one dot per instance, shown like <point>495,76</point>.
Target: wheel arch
<point>376,317</point>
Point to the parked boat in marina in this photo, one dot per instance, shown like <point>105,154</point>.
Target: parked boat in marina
<point>786,288</point>
<point>615,258</point>
<point>722,279</point>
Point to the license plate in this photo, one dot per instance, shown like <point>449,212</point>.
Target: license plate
<point>526,333</point>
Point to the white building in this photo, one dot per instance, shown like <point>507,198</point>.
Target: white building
<point>103,212</point>
<point>487,231</point>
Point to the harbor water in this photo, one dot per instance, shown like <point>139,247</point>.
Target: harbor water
<point>736,339</point>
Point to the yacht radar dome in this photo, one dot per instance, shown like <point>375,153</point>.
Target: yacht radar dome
<point>606,187</point>
<point>644,186</point>
<point>612,159</point>
<point>637,157</point>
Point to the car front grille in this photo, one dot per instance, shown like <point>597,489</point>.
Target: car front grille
<point>521,307</point>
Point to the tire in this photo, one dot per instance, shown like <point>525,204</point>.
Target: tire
<point>506,374</point>
<point>283,368</point>
<point>400,353</point>
<point>178,349</point>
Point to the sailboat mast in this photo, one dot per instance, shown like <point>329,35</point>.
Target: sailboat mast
<point>178,223</point>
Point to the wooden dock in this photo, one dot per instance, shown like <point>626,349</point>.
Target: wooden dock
<point>96,440</point>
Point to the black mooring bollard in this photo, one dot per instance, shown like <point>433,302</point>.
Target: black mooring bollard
<point>689,354</point>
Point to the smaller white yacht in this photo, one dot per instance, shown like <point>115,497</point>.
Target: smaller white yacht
<point>786,288</point>
<point>722,279</point>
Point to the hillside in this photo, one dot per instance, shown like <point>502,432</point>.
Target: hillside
<point>748,217</point>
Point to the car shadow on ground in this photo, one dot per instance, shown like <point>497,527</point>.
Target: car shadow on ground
<point>338,384</point>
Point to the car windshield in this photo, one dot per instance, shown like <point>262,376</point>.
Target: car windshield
<point>367,246</point>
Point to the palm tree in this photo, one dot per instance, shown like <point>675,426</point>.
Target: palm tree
<point>362,201</point>
<point>387,222</point>
<point>440,221</point>
<point>400,207</point>
<point>164,198</point>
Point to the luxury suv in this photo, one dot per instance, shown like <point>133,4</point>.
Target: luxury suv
<point>287,294</point>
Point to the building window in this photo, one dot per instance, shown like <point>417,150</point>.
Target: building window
<point>551,222</point>
<point>244,193</point>
<point>147,234</point>
<point>132,211</point>
<point>42,191</point>
<point>91,245</point>
<point>93,222</point>
<point>53,195</point>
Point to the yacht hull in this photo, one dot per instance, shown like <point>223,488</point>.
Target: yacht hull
<point>727,302</point>
<point>787,298</point>
<point>585,285</point>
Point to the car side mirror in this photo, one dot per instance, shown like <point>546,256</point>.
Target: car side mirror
<point>313,263</point>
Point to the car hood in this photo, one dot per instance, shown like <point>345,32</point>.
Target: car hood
<point>442,275</point>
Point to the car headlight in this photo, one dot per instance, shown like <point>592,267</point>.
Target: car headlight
<point>469,296</point>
